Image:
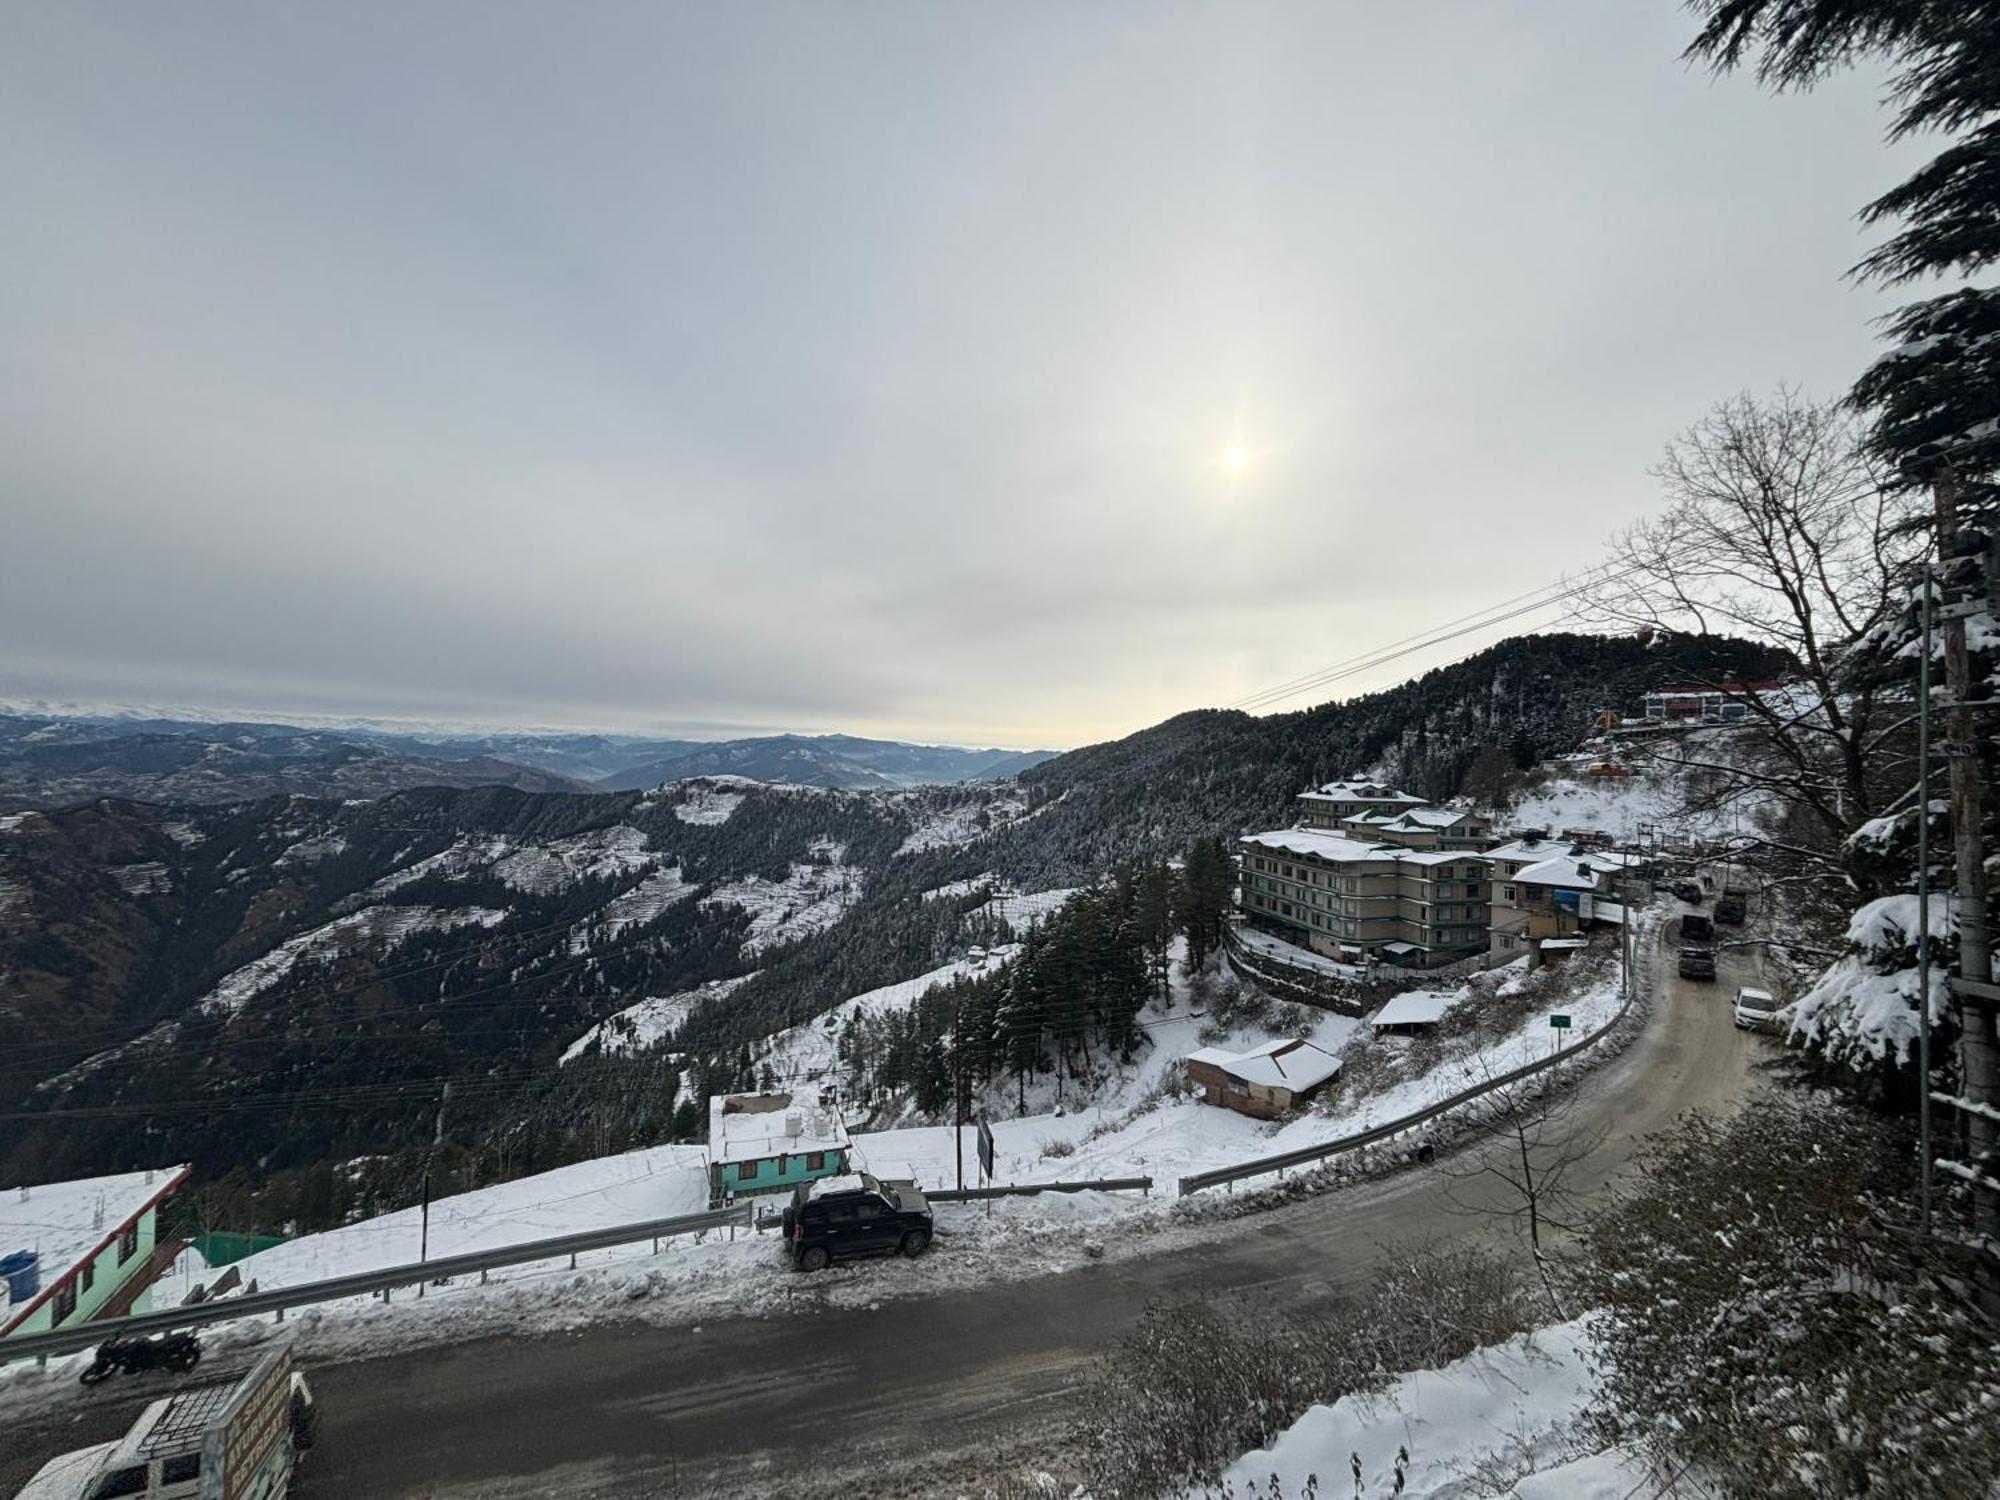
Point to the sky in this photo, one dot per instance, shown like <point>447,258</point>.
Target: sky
<point>870,367</point>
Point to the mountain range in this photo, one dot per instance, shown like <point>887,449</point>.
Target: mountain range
<point>275,984</point>
<point>55,759</point>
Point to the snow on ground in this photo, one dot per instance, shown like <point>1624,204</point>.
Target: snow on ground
<point>311,850</point>
<point>1022,911</point>
<point>380,929</point>
<point>811,1050</point>
<point>707,804</point>
<point>1614,805</point>
<point>966,887</point>
<point>653,1019</point>
<point>13,822</point>
<point>145,879</point>
<point>810,899</point>
<point>537,869</point>
<point>1263,944</point>
<point>1492,1419</point>
<point>635,908</point>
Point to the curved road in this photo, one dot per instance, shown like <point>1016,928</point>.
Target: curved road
<point>922,1394</point>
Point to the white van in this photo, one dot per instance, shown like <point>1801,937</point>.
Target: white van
<point>1757,1010</point>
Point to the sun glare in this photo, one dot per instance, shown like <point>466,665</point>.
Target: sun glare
<point>1236,460</point>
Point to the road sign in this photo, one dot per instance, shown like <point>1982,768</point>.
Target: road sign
<point>1561,1023</point>
<point>986,1149</point>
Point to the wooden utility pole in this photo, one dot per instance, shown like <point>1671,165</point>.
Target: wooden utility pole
<point>1979,1058</point>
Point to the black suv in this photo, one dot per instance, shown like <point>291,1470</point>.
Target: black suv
<point>836,1217</point>
<point>1730,909</point>
<point>1697,929</point>
<point>1688,891</point>
<point>1697,963</point>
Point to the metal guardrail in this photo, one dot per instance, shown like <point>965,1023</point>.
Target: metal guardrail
<point>279,1299</point>
<point>1194,1182</point>
<point>1029,1189</point>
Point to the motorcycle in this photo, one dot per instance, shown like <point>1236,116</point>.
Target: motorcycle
<point>179,1352</point>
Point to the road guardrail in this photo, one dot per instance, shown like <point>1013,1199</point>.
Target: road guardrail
<point>281,1299</point>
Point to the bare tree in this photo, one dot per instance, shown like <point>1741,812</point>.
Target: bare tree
<point>1781,527</point>
<point>1520,1166</point>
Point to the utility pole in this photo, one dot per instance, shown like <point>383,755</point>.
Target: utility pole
<point>1979,1059</point>
<point>958,1103</point>
<point>437,1139</point>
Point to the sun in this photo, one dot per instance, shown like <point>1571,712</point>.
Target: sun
<point>1236,460</point>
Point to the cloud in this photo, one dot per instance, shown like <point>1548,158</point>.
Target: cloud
<point>783,366</point>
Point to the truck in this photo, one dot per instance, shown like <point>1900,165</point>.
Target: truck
<point>235,1440</point>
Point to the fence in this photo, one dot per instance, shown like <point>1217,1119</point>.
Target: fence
<point>279,1299</point>
<point>1015,1190</point>
<point>1194,1182</point>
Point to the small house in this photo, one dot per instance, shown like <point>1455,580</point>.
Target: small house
<point>1264,1082</point>
<point>72,1251</point>
<point>772,1142</point>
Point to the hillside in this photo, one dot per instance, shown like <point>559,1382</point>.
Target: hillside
<point>835,760</point>
<point>275,984</point>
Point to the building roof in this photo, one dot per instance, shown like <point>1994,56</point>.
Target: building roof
<point>1364,791</point>
<point>1287,1063</point>
<point>1432,817</point>
<point>1415,1008</point>
<point>1565,942</point>
<point>757,1127</point>
<point>68,1222</point>
<point>1324,845</point>
<point>1574,872</point>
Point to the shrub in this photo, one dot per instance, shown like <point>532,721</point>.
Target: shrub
<point>1197,1383</point>
<point>1768,1313</point>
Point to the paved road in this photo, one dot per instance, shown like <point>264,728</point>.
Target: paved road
<point>895,1401</point>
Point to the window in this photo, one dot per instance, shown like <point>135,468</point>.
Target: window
<point>181,1468</point>
<point>65,1304</point>
<point>130,1481</point>
<point>746,1171</point>
<point>866,1210</point>
<point>815,1161</point>
<point>89,1274</point>
<point>128,1243</point>
<point>1506,893</point>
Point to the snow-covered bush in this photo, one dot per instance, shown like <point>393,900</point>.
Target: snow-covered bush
<point>1197,1384</point>
<point>1862,1012</point>
<point>1769,1315</point>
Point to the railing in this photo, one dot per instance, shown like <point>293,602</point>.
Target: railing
<point>279,1299</point>
<point>1194,1182</point>
<point>1029,1189</point>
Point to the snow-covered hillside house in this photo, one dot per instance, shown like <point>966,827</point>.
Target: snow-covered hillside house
<point>770,1143</point>
<point>72,1251</point>
<point>1353,899</point>
<point>1712,705</point>
<point>1328,805</point>
<point>1266,1081</point>
<point>1544,891</point>
<point>1422,828</point>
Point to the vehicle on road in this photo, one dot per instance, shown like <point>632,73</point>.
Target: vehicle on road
<point>179,1352</point>
<point>1688,891</point>
<point>836,1218</point>
<point>1697,929</point>
<point>1757,1010</point>
<point>1697,963</point>
<point>1731,909</point>
<point>234,1440</point>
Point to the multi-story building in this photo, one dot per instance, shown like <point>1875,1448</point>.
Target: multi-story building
<point>1422,828</point>
<point>1328,805</point>
<point>1547,889</point>
<point>1350,899</point>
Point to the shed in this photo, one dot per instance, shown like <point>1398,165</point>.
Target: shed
<point>772,1142</point>
<point>1265,1081</point>
<point>1414,1011</point>
<point>83,1249</point>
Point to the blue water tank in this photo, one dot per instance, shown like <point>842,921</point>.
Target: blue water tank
<point>22,1272</point>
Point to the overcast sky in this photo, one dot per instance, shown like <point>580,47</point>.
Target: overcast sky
<point>733,368</point>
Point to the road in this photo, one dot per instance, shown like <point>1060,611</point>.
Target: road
<point>904,1399</point>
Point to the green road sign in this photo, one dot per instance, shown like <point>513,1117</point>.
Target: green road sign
<point>1561,1023</point>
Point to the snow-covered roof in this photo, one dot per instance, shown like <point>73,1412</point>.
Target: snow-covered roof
<point>1288,1063</point>
<point>66,1222</point>
<point>1576,872</point>
<point>1531,851</point>
<point>1363,791</point>
<point>1415,1008</point>
<point>1399,948</point>
<point>846,1182</point>
<point>1432,817</point>
<point>756,1127</point>
<point>1564,943</point>
<point>1324,845</point>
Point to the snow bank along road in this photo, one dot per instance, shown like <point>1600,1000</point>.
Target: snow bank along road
<point>888,1402</point>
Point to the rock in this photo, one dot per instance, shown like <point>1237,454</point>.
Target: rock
<point>1093,1249</point>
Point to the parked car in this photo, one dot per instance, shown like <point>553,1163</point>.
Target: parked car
<point>1757,1010</point>
<point>835,1218</point>
<point>1697,963</point>
<point>1730,909</point>
<point>1697,929</point>
<point>1688,891</point>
